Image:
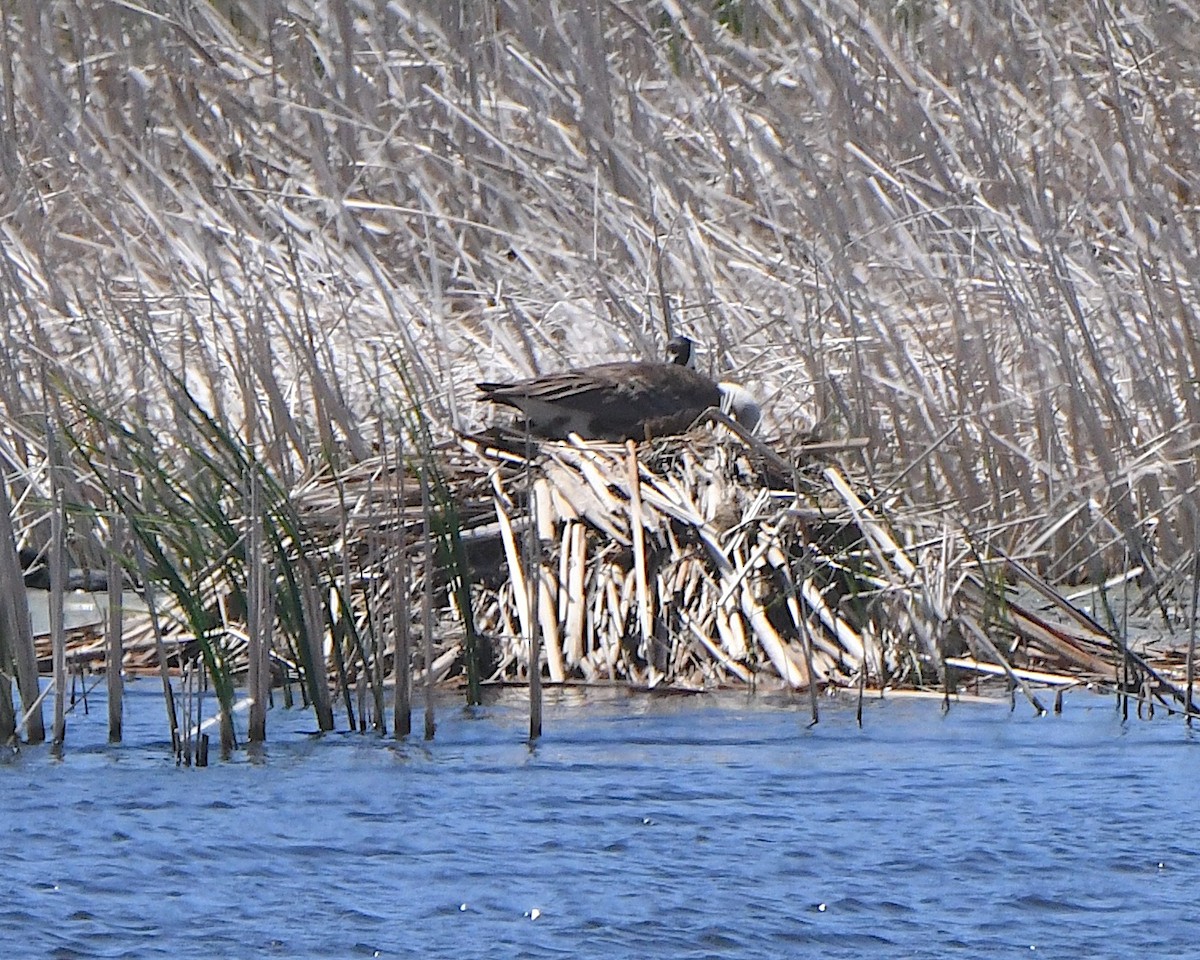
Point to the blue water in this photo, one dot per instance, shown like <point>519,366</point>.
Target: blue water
<point>638,827</point>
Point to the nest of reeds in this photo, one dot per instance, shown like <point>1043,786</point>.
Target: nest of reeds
<point>707,559</point>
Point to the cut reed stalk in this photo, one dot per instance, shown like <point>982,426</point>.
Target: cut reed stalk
<point>533,599</point>
<point>58,576</point>
<point>399,591</point>
<point>1191,649</point>
<point>258,679</point>
<point>427,604</point>
<point>114,630</point>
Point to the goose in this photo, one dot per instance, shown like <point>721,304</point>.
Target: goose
<point>623,400</point>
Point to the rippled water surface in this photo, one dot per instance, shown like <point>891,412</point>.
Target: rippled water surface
<point>638,827</point>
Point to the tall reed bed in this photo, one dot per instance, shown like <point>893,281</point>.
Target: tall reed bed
<point>269,240</point>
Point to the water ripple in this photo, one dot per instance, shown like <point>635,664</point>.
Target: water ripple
<point>636,828</point>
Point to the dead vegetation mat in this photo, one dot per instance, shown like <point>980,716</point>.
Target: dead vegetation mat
<point>693,562</point>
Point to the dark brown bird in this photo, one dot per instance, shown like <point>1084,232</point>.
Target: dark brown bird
<point>626,400</point>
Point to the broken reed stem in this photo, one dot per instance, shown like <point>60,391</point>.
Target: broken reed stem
<point>114,658</point>
<point>1191,651</point>
<point>1056,680</point>
<point>402,637</point>
<point>258,677</point>
<point>427,603</point>
<point>976,633</point>
<point>58,636</point>
<point>637,534</point>
<point>533,577</point>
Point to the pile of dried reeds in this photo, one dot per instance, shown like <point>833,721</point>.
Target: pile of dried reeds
<point>678,563</point>
<point>700,561</point>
